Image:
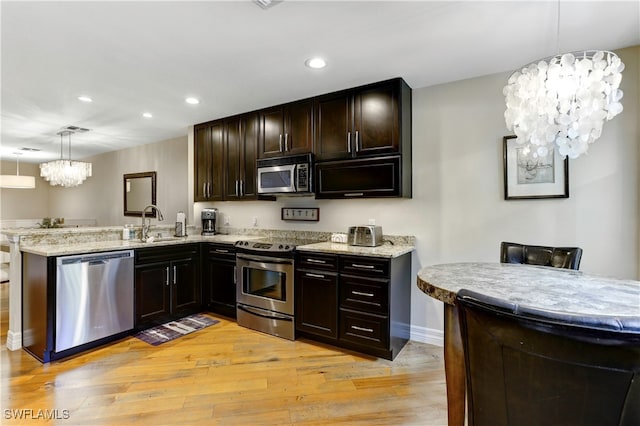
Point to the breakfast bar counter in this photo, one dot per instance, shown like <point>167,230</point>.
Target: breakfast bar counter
<point>561,290</point>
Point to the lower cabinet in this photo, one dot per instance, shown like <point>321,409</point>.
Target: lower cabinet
<point>316,295</point>
<point>357,302</point>
<point>219,278</point>
<point>167,283</point>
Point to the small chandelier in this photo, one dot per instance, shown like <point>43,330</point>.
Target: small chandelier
<point>17,181</point>
<point>563,101</point>
<point>65,173</point>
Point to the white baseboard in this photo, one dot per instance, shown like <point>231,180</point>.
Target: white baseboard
<point>427,335</point>
<point>14,340</point>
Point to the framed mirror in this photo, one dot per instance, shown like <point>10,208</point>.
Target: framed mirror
<point>139,192</point>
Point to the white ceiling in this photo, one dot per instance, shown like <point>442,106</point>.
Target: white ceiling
<point>132,57</point>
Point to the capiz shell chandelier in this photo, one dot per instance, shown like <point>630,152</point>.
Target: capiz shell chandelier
<point>564,100</point>
<point>65,173</point>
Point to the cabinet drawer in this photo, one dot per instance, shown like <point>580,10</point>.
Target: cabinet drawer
<point>368,266</point>
<point>364,294</point>
<point>363,329</point>
<point>325,262</point>
<point>221,251</point>
<point>166,253</point>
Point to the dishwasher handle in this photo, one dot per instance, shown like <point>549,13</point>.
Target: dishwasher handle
<point>95,259</point>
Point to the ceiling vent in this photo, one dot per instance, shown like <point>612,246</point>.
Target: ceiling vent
<point>266,4</point>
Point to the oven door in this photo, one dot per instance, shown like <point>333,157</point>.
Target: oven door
<point>276,179</point>
<point>265,282</point>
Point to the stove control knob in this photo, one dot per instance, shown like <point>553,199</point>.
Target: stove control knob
<point>280,246</point>
<point>246,243</point>
<point>286,247</point>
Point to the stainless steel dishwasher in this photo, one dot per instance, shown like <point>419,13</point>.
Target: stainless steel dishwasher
<point>94,297</point>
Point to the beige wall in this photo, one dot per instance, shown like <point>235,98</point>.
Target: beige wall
<point>457,212</point>
<point>24,203</point>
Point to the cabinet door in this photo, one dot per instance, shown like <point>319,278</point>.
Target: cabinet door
<point>249,138</point>
<point>333,118</point>
<point>153,302</point>
<point>298,133</point>
<point>202,163</point>
<point>317,303</point>
<point>185,286</point>
<point>233,151</point>
<point>271,132</point>
<point>376,130</point>
<point>219,283</point>
<point>378,177</point>
<point>217,161</point>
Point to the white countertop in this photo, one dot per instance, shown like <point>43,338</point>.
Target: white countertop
<point>385,250</point>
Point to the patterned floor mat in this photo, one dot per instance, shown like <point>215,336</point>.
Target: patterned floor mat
<point>167,332</point>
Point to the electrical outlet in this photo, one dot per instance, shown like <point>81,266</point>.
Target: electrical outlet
<point>372,221</point>
<point>255,221</point>
<point>227,219</point>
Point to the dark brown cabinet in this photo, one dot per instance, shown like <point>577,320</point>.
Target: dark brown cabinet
<point>357,302</point>
<point>219,279</point>
<point>167,283</point>
<point>241,137</point>
<point>317,295</point>
<point>208,166</point>
<point>361,122</point>
<point>375,304</point>
<point>286,129</point>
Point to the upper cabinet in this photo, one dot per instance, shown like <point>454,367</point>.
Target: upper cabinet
<point>241,135</point>
<point>286,129</point>
<point>362,122</point>
<point>208,164</point>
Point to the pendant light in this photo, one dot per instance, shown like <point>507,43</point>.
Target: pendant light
<point>563,101</point>
<point>16,181</point>
<point>65,173</point>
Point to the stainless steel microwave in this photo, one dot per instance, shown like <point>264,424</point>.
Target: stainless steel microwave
<point>286,175</point>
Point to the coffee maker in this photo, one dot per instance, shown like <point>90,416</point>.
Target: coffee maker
<point>209,221</point>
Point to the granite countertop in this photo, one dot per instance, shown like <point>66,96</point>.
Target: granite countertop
<point>554,289</point>
<point>102,246</point>
<point>385,250</point>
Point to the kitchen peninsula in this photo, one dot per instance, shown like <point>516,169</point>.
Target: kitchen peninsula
<point>41,249</point>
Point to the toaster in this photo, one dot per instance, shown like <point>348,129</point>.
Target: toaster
<point>365,235</point>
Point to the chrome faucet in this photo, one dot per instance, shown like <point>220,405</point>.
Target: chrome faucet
<point>145,228</point>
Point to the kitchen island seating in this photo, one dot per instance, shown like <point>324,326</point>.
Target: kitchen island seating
<point>558,257</point>
<point>528,366</point>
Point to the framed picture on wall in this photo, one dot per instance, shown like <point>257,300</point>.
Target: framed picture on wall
<point>526,177</point>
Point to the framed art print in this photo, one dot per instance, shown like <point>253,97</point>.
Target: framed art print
<point>526,177</point>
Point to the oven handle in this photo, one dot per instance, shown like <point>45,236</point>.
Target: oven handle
<point>260,314</point>
<point>265,259</point>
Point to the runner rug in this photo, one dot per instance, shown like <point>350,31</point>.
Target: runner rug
<point>172,330</point>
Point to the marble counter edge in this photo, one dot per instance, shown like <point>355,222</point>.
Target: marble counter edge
<point>385,251</point>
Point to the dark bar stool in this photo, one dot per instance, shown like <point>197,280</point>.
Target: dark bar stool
<point>558,257</point>
<point>527,366</point>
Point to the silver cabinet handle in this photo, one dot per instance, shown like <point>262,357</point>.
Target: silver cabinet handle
<point>236,188</point>
<point>280,142</point>
<point>167,276</point>
<point>354,194</point>
<point>286,142</point>
<point>357,134</point>
<point>242,187</point>
<point>349,142</point>
<point>222,251</point>
<point>368,330</point>
<point>204,190</point>
<point>357,265</point>
<point>316,261</point>
<point>359,293</point>
<point>235,272</point>
<point>309,274</point>
<point>174,274</point>
<point>209,189</point>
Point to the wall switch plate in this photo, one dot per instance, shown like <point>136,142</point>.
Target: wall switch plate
<point>227,219</point>
<point>372,221</point>
<point>255,221</point>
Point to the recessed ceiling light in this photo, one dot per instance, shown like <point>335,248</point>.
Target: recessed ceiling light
<point>316,63</point>
<point>192,101</point>
<point>85,99</point>
<point>147,115</point>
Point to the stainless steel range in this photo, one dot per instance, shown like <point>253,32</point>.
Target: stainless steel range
<point>265,274</point>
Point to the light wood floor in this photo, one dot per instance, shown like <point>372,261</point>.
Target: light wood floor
<point>226,375</point>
